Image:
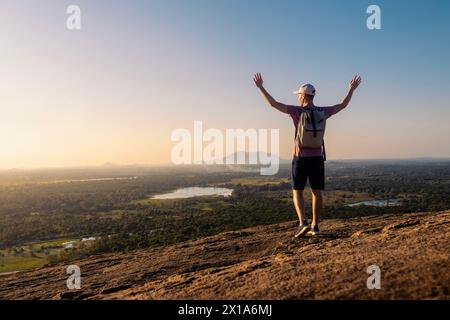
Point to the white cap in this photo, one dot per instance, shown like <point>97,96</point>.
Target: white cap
<point>306,89</point>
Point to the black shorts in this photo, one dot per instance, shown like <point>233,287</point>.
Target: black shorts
<point>308,168</point>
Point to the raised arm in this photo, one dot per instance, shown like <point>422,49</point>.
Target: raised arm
<point>353,84</point>
<point>270,100</point>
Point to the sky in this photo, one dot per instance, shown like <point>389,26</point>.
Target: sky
<point>115,90</point>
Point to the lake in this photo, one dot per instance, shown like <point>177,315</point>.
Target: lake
<point>195,192</point>
<point>377,203</point>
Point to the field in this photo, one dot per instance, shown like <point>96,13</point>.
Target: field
<point>35,255</point>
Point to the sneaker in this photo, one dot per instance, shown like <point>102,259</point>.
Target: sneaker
<point>314,231</point>
<point>302,230</point>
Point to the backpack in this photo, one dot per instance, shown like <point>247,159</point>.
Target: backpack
<point>311,128</point>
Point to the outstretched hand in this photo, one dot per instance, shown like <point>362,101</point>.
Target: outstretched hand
<point>258,80</point>
<point>354,83</point>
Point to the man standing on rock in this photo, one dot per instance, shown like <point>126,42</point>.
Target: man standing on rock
<point>309,149</point>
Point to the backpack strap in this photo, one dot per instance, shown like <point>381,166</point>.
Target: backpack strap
<point>298,124</point>
<point>313,120</point>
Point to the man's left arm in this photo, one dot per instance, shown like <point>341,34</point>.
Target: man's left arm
<point>353,84</point>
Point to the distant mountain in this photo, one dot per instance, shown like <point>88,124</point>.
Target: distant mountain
<point>232,158</point>
<point>109,164</point>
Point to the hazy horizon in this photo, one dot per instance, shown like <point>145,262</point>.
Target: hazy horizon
<point>115,90</point>
<point>169,164</point>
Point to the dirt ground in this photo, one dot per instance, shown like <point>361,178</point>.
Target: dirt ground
<point>266,262</point>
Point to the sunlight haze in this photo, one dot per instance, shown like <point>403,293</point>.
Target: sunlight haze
<point>116,89</point>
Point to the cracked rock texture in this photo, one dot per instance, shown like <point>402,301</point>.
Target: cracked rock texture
<point>266,262</point>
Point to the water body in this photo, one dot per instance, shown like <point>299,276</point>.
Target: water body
<point>377,203</point>
<point>184,193</point>
<point>74,243</point>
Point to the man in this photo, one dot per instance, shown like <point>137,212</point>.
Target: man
<point>307,163</point>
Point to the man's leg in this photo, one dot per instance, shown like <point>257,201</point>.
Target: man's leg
<point>317,182</point>
<point>299,203</point>
<point>317,204</point>
<point>299,178</point>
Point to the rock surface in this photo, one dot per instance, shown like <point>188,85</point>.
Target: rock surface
<point>266,262</point>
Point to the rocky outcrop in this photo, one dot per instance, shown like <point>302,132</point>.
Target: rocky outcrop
<point>266,262</point>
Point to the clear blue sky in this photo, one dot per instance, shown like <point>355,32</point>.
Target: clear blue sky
<point>137,70</point>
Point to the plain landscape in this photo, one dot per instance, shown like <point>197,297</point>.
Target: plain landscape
<point>223,232</point>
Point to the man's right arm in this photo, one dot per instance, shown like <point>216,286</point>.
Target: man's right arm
<point>270,100</point>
